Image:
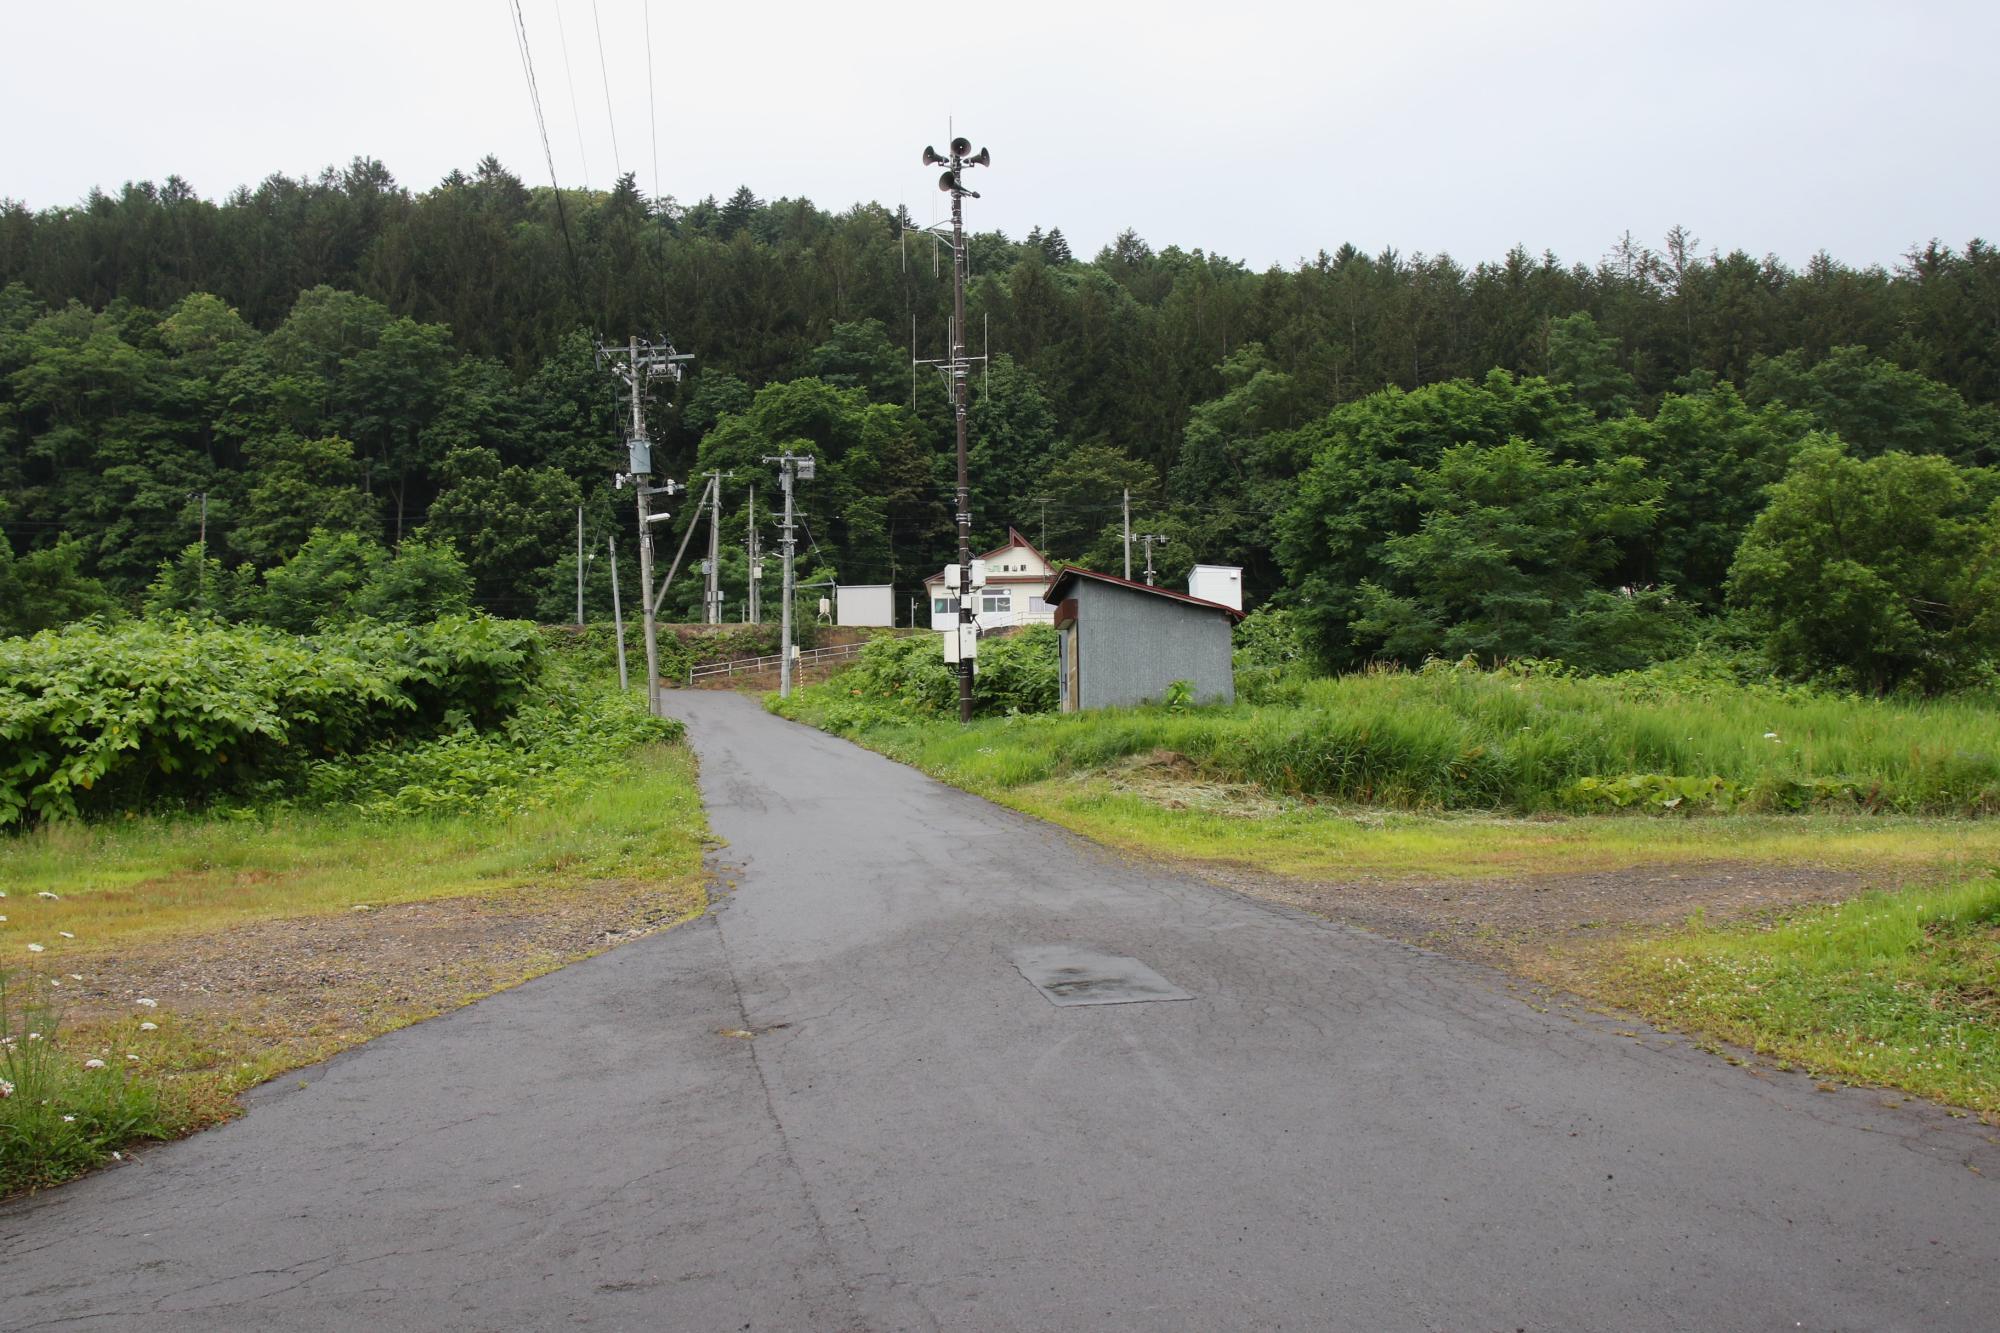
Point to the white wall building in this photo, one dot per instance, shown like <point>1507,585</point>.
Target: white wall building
<point>1016,577</point>
<point>864,604</point>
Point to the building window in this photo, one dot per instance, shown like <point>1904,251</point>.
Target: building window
<point>944,606</point>
<point>1000,602</point>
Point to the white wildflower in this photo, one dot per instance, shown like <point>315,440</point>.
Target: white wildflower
<point>1770,735</point>
<point>130,1056</point>
<point>118,1157</point>
<point>93,1064</point>
<point>46,894</point>
<point>69,1120</point>
<point>145,1003</point>
<point>149,1027</point>
<point>34,948</point>
<point>6,1089</point>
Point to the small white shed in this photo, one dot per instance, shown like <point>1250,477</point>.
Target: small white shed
<point>1221,584</point>
<point>864,604</point>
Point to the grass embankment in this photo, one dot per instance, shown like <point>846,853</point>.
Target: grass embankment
<point>1453,807</point>
<point>252,941</point>
<point>157,964</point>
<point>1898,989</point>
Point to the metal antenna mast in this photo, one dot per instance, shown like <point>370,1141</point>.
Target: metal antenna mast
<point>637,364</point>
<point>958,371</point>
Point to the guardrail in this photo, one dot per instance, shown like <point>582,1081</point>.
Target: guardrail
<point>807,657</point>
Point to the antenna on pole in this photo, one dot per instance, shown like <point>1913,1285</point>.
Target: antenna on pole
<point>957,368</point>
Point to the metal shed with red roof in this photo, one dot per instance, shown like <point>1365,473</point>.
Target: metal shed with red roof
<point>1125,643</point>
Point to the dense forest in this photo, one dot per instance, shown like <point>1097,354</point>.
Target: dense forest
<point>1601,462</point>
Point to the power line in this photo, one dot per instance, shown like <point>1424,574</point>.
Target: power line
<point>569,78</point>
<point>548,153</point>
<point>604,75</point>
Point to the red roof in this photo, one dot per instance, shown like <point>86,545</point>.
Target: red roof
<point>1070,573</point>
<point>1014,538</point>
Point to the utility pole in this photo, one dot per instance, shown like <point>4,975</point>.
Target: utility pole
<point>712,598</point>
<point>1128,534</point>
<point>1151,539</point>
<point>203,497</point>
<point>617,615</point>
<point>579,566</point>
<point>959,367</point>
<point>642,361</point>
<point>794,467</point>
<point>1043,501</point>
<point>756,580</point>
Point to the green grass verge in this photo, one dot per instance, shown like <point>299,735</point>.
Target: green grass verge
<point>1894,989</point>
<point>138,888</point>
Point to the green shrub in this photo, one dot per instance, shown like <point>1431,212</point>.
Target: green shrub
<point>96,719</point>
<point>568,737</point>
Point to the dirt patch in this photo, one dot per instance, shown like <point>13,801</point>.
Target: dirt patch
<point>268,995</point>
<point>1531,924</point>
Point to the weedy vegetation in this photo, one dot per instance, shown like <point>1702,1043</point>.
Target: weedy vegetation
<point>173,798</point>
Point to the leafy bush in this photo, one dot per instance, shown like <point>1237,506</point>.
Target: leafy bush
<point>1018,673</point>
<point>59,1116</point>
<point>97,719</point>
<point>901,678</point>
<point>567,738</point>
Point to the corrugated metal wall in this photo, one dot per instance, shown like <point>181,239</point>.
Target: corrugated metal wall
<point>1135,644</point>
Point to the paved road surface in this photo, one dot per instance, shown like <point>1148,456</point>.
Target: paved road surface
<point>1335,1132</point>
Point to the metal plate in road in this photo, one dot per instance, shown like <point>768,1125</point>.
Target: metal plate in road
<point>1069,975</point>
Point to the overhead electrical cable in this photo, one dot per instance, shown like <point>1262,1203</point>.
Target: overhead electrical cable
<point>605,75</point>
<point>570,78</point>
<point>653,114</point>
<point>548,154</point>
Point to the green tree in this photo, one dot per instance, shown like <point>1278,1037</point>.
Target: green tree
<point>1876,406</point>
<point>298,487</point>
<point>507,522</point>
<point>47,588</point>
<point>1513,543</point>
<point>1587,361</point>
<point>419,581</point>
<point>1878,573</point>
<point>1363,487</point>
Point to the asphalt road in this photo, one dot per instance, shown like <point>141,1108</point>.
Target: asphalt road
<point>1334,1131</point>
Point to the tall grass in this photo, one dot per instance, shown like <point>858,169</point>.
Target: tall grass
<point>1465,739</point>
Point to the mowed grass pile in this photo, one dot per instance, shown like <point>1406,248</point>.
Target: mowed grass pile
<point>1900,989</point>
<point>1458,738</point>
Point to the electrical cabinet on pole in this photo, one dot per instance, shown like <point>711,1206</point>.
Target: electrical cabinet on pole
<point>958,368</point>
<point>644,360</point>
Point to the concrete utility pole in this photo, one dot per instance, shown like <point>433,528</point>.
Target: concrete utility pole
<point>753,611</point>
<point>1128,533</point>
<point>712,598</point>
<point>617,615</point>
<point>794,467</point>
<point>643,360</point>
<point>959,367</point>
<point>1151,539</point>
<point>579,566</point>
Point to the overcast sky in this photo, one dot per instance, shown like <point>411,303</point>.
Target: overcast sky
<point>1263,132</point>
